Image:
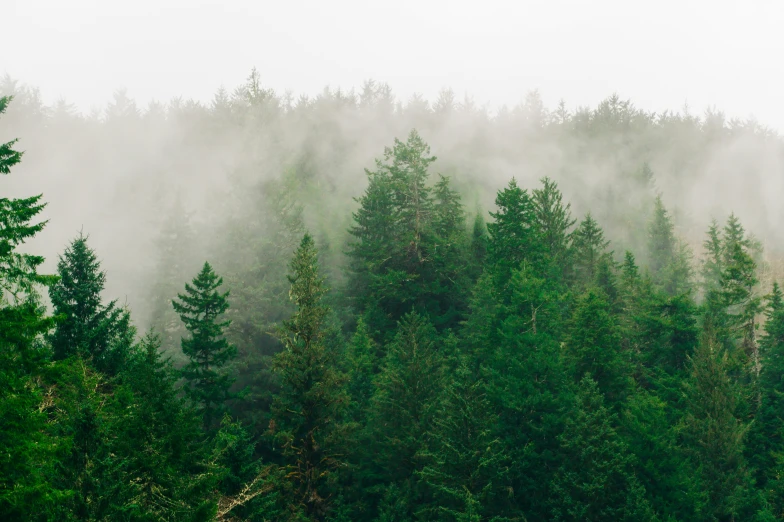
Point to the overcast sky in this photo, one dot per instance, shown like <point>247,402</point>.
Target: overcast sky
<point>662,53</point>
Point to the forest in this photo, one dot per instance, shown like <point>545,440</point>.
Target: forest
<point>351,308</point>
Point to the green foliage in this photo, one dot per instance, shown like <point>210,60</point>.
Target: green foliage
<point>405,406</point>
<point>713,436</point>
<point>309,408</point>
<point>463,465</point>
<point>406,240</point>
<point>514,370</point>
<point>86,327</point>
<point>201,308</point>
<point>590,248</point>
<point>595,347</point>
<point>597,480</point>
<point>513,232</point>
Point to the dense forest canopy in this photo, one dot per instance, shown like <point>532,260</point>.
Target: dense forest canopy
<point>351,307</point>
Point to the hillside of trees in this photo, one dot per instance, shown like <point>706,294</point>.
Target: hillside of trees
<point>347,308</point>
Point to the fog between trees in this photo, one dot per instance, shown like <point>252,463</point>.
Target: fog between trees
<point>121,171</point>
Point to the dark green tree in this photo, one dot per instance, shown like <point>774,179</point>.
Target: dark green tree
<point>554,221</point>
<point>478,247</point>
<point>594,347</point>
<point>85,326</point>
<point>713,436</point>
<point>159,467</point>
<point>589,247</point>
<point>403,238</point>
<point>405,406</point>
<point>514,233</point>
<point>464,466</point>
<point>308,412</point>
<point>208,382</point>
<point>596,480</point>
<point>766,444</point>
<point>669,259</point>
<point>30,455</point>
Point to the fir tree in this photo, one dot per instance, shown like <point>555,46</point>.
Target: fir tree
<point>714,436</point>
<point>402,236</point>
<point>766,447</point>
<point>595,347</point>
<point>478,247</point>
<point>159,467</point>
<point>85,326</point>
<point>661,239</point>
<point>405,404</point>
<point>554,220</point>
<point>309,409</point>
<point>596,480</point>
<point>589,248</point>
<point>514,234</point>
<point>464,468</point>
<point>30,455</point>
<point>201,308</point>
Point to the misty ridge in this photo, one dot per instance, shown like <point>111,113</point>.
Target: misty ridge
<point>124,173</point>
<point>350,307</point>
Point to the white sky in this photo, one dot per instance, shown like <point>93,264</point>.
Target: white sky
<point>662,53</point>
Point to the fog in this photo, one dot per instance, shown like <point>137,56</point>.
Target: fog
<point>700,110</point>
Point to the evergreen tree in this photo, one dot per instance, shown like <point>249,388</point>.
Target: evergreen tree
<point>668,258</point>
<point>30,455</point>
<point>554,219</point>
<point>159,468</point>
<point>478,247</point>
<point>363,364</point>
<point>86,327</point>
<point>738,287</point>
<point>402,237</point>
<point>596,480</point>
<point>309,409</point>
<point>661,239</point>
<point>201,308</point>
<point>464,466</point>
<point>589,248</point>
<point>595,347</point>
<point>514,233</point>
<point>526,383</point>
<point>766,446</point>
<point>405,404</point>
<point>713,436</point>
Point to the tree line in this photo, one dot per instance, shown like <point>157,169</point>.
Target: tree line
<point>437,364</point>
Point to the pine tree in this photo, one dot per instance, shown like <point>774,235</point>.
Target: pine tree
<point>21,317</point>
<point>766,447</point>
<point>158,467</point>
<point>738,287</point>
<point>464,467</point>
<point>714,435</point>
<point>514,233</point>
<point>478,247</point>
<point>30,455</point>
<point>309,410</point>
<point>201,308</point>
<point>402,235</point>
<point>525,380</point>
<point>596,480</point>
<point>594,347</point>
<point>363,363</point>
<point>86,327</point>
<point>661,239</point>
<point>554,219</point>
<point>405,404</point>
<point>589,248</point>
